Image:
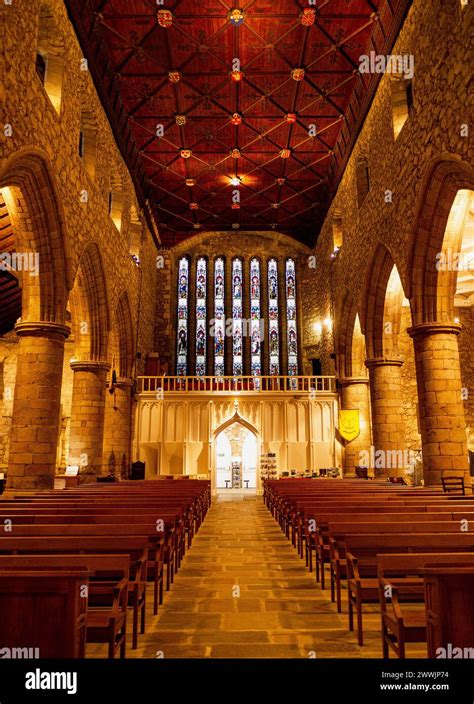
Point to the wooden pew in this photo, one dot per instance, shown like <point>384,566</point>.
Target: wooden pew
<point>449,603</point>
<point>136,547</point>
<point>338,531</point>
<point>400,575</point>
<point>44,609</point>
<point>107,591</point>
<point>361,555</point>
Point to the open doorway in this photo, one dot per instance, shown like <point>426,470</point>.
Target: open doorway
<point>236,459</point>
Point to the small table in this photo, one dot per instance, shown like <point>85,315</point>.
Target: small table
<point>246,482</point>
<point>227,482</point>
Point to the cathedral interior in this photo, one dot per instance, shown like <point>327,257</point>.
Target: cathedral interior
<point>236,293</point>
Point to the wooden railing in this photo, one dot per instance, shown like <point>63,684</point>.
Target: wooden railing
<point>232,384</point>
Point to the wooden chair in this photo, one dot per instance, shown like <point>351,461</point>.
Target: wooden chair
<point>453,485</point>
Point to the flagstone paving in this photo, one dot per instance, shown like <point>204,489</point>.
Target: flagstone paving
<point>243,592</point>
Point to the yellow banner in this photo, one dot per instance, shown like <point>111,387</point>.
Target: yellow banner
<point>349,426</point>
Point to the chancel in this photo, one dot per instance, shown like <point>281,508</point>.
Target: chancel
<point>236,331</point>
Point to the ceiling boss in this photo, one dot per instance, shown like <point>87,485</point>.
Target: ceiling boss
<point>236,17</point>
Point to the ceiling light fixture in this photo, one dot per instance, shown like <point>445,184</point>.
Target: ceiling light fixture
<point>236,181</point>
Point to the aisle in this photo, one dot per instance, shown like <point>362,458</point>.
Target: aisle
<point>279,613</point>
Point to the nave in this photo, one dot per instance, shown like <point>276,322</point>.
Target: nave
<point>281,612</point>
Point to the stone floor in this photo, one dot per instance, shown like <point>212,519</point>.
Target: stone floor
<point>243,592</point>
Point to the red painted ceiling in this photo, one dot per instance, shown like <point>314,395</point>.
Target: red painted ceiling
<point>131,57</point>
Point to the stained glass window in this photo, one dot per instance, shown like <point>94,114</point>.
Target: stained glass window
<point>219,317</point>
<point>182,333</point>
<point>292,336</point>
<point>237,320</point>
<point>201,289</point>
<point>273,333</point>
<point>255,319</point>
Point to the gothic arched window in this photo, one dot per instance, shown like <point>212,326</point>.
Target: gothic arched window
<point>219,317</point>
<point>255,319</point>
<point>291,327</point>
<point>273,332</point>
<point>182,333</point>
<point>237,319</point>
<point>201,291</point>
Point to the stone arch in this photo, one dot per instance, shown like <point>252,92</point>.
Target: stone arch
<point>383,298</point>
<point>431,289</point>
<point>89,307</point>
<point>31,195</point>
<point>121,347</point>
<point>349,339</point>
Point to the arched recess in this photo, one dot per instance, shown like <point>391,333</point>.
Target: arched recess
<point>121,348</point>
<point>89,307</point>
<point>382,306</point>
<point>236,418</point>
<point>432,288</point>
<point>349,340</point>
<point>30,193</point>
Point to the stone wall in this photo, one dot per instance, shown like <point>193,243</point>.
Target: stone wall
<point>466,354</point>
<point>8,360</point>
<point>435,33</point>
<point>41,126</point>
<point>409,388</point>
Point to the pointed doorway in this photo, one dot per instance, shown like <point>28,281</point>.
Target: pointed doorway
<point>236,458</point>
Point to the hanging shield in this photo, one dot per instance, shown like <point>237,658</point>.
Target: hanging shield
<point>349,426</point>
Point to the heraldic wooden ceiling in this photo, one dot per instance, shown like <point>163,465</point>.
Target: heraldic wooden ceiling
<point>268,92</point>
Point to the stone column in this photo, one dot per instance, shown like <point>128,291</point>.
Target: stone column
<point>36,405</point>
<point>87,416</point>
<point>388,427</point>
<point>441,409</point>
<point>117,424</point>
<point>354,395</point>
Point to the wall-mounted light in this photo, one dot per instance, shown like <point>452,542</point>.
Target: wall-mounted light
<point>328,323</point>
<point>457,321</point>
<point>317,327</point>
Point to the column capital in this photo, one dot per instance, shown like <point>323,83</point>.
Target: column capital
<point>434,328</point>
<point>80,365</point>
<point>350,380</point>
<point>383,362</point>
<point>42,329</point>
